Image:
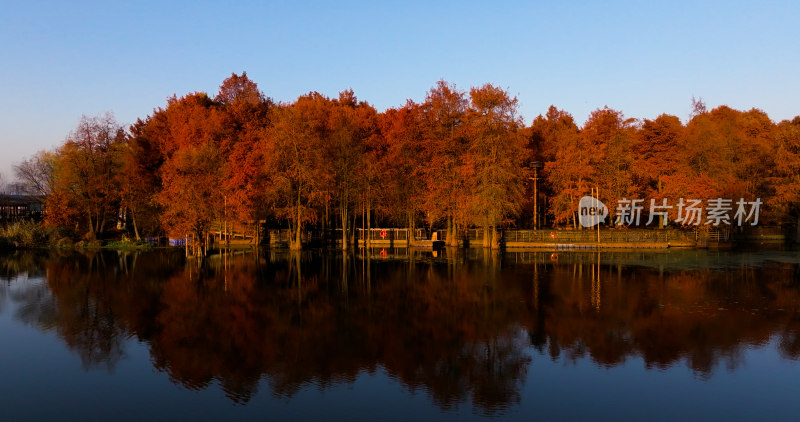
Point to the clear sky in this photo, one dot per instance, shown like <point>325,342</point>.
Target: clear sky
<point>59,60</point>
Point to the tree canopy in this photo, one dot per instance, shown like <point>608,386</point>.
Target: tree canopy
<point>459,159</point>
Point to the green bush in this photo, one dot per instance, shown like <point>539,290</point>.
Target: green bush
<point>25,234</point>
<point>63,242</point>
<point>126,243</point>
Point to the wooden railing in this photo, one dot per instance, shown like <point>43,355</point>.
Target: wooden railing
<point>581,236</point>
<point>385,234</point>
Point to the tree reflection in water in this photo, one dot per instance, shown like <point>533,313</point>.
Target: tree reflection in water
<point>461,328</point>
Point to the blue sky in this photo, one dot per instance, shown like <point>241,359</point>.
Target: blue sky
<point>59,60</point>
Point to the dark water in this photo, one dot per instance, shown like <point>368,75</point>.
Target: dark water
<point>677,335</point>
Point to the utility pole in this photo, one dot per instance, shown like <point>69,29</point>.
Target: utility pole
<point>535,165</point>
<point>596,200</point>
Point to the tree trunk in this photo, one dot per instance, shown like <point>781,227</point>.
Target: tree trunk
<point>353,231</point>
<point>368,233</point>
<point>325,224</point>
<point>495,238</point>
<point>660,217</point>
<point>411,228</point>
<point>91,228</point>
<point>452,239</point>
<point>797,230</point>
<point>345,222</point>
<point>449,232</point>
<point>487,236</point>
<point>296,244</point>
<point>135,228</point>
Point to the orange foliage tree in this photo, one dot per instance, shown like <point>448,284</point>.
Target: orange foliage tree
<point>350,124</point>
<point>657,153</point>
<point>785,175</point>
<point>245,118</point>
<point>403,186</point>
<point>140,180</point>
<point>295,179</point>
<point>191,197</point>
<point>567,168</point>
<point>454,161</point>
<point>443,116</point>
<point>609,136</point>
<point>493,162</point>
<point>85,192</point>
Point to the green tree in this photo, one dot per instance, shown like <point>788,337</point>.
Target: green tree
<point>493,163</point>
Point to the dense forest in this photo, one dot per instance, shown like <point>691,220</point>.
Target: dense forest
<point>459,159</point>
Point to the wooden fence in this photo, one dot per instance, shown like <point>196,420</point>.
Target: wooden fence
<point>511,238</point>
<point>522,237</point>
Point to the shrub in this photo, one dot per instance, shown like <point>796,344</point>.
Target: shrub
<point>126,243</point>
<point>25,234</point>
<point>64,242</point>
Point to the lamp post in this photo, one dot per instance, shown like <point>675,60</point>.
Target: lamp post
<point>535,165</point>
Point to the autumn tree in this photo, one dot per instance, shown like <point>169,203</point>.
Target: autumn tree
<point>548,136</point>
<point>657,156</point>
<point>493,162</point>
<point>785,176</point>
<point>85,190</point>
<point>371,177</point>
<point>443,116</point>
<point>609,137</point>
<point>292,154</point>
<point>241,91</point>
<point>245,118</point>
<point>190,197</point>
<point>657,152</point>
<point>544,134</point>
<point>190,120</point>
<point>403,168</point>
<point>726,154</point>
<point>140,179</point>
<point>567,169</point>
<point>188,135</point>
<point>350,125</point>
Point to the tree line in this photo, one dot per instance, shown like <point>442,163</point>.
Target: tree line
<point>458,159</point>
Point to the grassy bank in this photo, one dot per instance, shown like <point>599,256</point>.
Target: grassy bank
<point>30,234</point>
<point>27,234</point>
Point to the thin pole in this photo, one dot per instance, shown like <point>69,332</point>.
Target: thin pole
<point>596,199</point>
<point>535,198</point>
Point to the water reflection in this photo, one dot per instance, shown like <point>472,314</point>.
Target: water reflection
<point>702,317</point>
<point>460,325</point>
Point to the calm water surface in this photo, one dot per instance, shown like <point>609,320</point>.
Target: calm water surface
<point>399,335</point>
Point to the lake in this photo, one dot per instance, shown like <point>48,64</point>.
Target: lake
<point>398,334</point>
